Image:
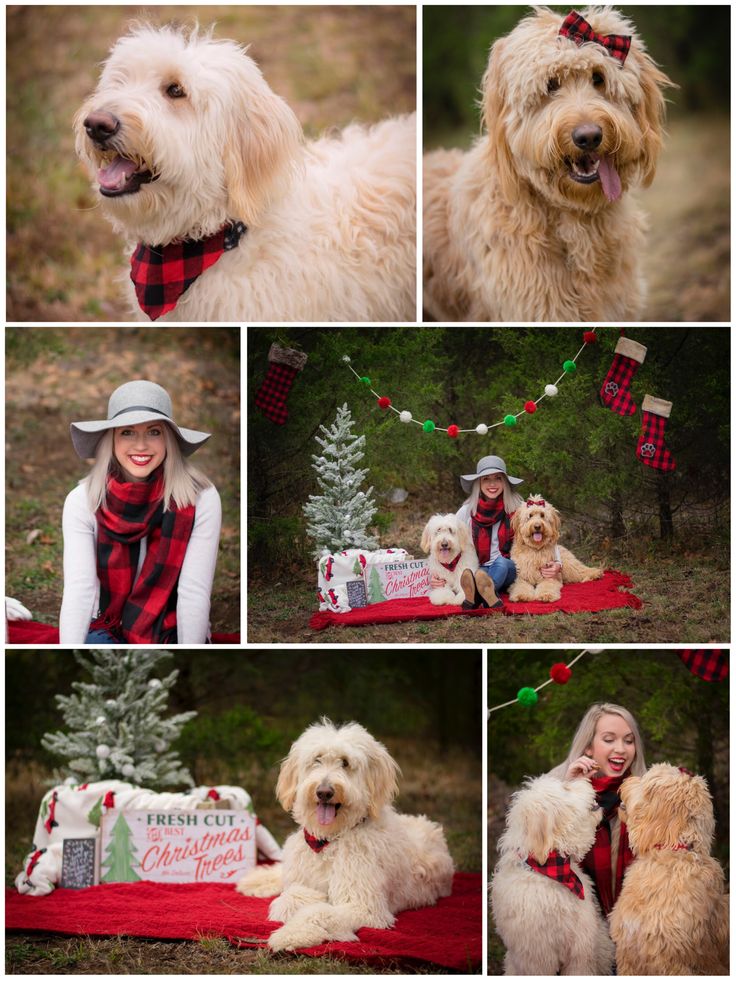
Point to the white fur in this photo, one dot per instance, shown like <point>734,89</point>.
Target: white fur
<point>444,537</point>
<point>377,862</point>
<point>546,928</point>
<point>331,225</point>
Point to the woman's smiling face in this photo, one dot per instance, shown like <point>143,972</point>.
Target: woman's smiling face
<point>140,449</point>
<point>613,747</point>
<point>491,486</point>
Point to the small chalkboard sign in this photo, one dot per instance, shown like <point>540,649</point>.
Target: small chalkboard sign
<point>78,863</point>
<point>356,594</point>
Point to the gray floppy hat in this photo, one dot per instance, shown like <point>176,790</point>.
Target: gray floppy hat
<point>486,466</point>
<point>130,404</point>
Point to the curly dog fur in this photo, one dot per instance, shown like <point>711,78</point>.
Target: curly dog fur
<point>672,914</point>
<point>443,539</point>
<point>532,223</point>
<point>338,784</point>
<point>545,927</point>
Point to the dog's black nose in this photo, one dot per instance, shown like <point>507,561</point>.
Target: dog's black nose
<point>588,136</point>
<point>101,126</point>
<point>325,793</point>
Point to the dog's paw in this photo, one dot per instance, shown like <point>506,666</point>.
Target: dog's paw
<point>290,937</point>
<point>521,592</point>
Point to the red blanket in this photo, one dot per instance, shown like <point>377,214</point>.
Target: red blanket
<point>449,934</point>
<point>584,597</point>
<point>32,632</point>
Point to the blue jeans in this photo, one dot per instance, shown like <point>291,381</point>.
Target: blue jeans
<point>100,637</point>
<point>502,571</point>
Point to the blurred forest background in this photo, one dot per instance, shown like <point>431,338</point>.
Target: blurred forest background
<point>425,706</point>
<point>333,65</point>
<point>687,261</point>
<point>683,721</point>
<point>670,532</point>
<point>54,376</point>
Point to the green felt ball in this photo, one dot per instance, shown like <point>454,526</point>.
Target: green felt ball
<point>527,696</point>
<point>569,367</point>
<point>509,420</point>
<point>366,380</point>
<point>428,426</point>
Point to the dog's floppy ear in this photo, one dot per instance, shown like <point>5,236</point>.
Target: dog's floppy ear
<point>493,109</point>
<point>287,783</point>
<point>382,779</point>
<point>426,542</point>
<point>650,113</point>
<point>539,829</point>
<point>553,516</point>
<point>516,519</point>
<point>262,145</point>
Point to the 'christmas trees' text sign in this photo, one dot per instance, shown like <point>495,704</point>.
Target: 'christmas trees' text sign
<point>177,846</point>
<point>397,580</point>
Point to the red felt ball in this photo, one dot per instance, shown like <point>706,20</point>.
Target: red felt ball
<point>530,407</point>
<point>560,673</point>
<point>590,337</point>
<point>384,402</point>
<point>452,431</point>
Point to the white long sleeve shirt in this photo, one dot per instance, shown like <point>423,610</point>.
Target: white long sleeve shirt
<point>80,602</point>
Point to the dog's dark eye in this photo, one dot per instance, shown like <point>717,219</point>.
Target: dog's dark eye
<point>175,91</point>
<point>345,763</point>
<point>553,84</point>
<point>597,79</point>
<point>317,759</point>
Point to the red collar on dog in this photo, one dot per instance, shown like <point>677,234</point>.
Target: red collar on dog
<point>316,844</point>
<point>161,274</point>
<point>679,847</point>
<point>451,565</point>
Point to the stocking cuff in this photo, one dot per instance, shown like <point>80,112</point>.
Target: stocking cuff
<point>631,349</point>
<point>288,356</point>
<point>660,407</point>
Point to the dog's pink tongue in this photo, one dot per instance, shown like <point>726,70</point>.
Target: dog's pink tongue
<point>537,536</point>
<point>326,813</point>
<point>114,176</point>
<point>610,181</point>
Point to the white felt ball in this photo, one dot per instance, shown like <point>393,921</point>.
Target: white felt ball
<point>550,390</point>
<point>154,683</point>
<point>481,429</point>
<point>128,770</point>
<point>102,752</point>
<point>405,416</point>
<point>346,358</point>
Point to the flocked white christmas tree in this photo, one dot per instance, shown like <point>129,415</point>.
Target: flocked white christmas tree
<point>115,724</point>
<point>339,517</point>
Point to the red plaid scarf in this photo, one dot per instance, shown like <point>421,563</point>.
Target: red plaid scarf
<point>142,609</point>
<point>598,860</point>
<point>558,867</point>
<point>487,515</point>
<point>162,273</point>
<point>579,30</point>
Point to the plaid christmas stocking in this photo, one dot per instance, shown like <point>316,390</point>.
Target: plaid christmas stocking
<point>615,390</point>
<point>284,364</point>
<point>651,448</point>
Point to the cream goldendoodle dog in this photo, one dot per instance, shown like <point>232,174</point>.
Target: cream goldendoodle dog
<point>672,914</point>
<point>543,902</point>
<point>204,171</point>
<point>447,541</point>
<point>535,221</point>
<point>354,862</point>
<point>536,528</point>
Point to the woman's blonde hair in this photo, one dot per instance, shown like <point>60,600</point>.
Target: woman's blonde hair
<point>182,481</point>
<point>511,500</point>
<point>586,733</point>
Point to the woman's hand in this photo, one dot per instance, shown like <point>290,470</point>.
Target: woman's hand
<point>583,766</point>
<point>552,570</point>
<point>437,582</point>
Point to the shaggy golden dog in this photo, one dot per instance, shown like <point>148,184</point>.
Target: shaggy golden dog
<point>536,528</point>
<point>535,222</point>
<point>672,914</point>
<point>447,541</point>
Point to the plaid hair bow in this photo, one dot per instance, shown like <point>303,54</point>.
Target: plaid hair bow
<point>579,30</point>
<point>531,503</point>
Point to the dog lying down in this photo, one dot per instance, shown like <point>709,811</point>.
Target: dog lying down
<point>354,862</point>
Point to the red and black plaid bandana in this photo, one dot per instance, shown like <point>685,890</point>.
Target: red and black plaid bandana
<point>488,514</point>
<point>598,860</point>
<point>708,665</point>
<point>579,30</point>
<point>316,844</point>
<point>142,609</point>
<point>162,273</point>
<point>558,867</point>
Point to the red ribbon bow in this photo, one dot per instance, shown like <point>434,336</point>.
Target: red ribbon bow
<point>579,30</point>
<point>536,504</point>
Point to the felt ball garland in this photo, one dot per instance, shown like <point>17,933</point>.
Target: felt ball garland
<point>560,674</point>
<point>510,419</point>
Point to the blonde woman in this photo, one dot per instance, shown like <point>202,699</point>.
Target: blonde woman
<point>141,531</point>
<point>606,749</point>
